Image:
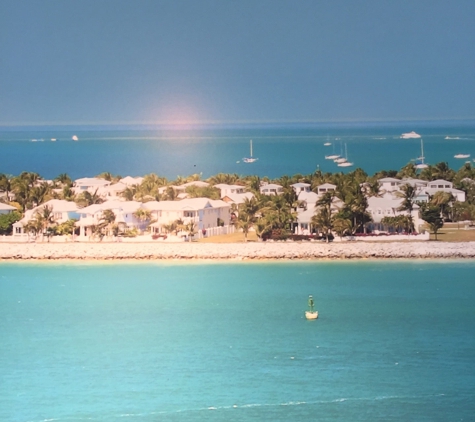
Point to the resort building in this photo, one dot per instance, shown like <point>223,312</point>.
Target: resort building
<point>233,194</point>
<point>205,213</point>
<point>271,189</point>
<point>89,184</point>
<point>390,184</point>
<point>301,187</point>
<point>125,216</point>
<point>131,181</point>
<point>61,211</point>
<point>113,191</point>
<point>326,187</point>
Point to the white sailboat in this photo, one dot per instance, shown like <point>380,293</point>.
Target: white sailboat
<point>75,138</point>
<point>250,159</point>
<point>332,156</point>
<point>345,163</point>
<point>420,161</point>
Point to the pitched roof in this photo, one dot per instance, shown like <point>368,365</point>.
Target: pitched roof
<point>6,207</point>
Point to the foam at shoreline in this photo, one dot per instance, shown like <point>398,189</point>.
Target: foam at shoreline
<point>235,251</point>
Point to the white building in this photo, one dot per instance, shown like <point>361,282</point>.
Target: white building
<point>61,210</point>
<point>271,189</point>
<point>205,213</point>
<point>124,216</point>
<point>89,184</point>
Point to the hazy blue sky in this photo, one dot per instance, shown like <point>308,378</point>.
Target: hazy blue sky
<point>101,61</point>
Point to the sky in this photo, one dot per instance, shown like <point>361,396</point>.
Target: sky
<point>221,61</point>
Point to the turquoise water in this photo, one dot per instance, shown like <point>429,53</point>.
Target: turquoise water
<point>228,342</point>
<point>281,150</point>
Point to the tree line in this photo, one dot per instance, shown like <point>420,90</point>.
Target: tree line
<point>269,216</point>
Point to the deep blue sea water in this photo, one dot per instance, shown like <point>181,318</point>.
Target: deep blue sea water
<point>140,342</point>
<point>281,150</point>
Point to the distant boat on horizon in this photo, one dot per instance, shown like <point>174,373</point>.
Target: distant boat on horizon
<point>53,139</point>
<point>452,137</point>
<point>75,138</point>
<point>461,155</point>
<point>327,144</point>
<point>250,159</point>
<point>410,135</point>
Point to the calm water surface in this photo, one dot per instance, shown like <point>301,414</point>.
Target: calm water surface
<point>281,150</point>
<point>228,342</point>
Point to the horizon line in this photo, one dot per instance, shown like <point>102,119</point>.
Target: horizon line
<point>241,122</point>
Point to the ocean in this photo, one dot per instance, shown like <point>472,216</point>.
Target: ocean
<point>140,342</point>
<point>281,150</point>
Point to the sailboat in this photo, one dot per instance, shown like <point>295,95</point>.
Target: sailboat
<point>250,159</point>
<point>420,161</point>
<point>332,156</point>
<point>345,163</point>
<point>75,138</point>
<point>311,313</point>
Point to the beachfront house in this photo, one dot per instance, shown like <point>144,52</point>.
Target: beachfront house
<point>125,216</point>
<point>271,189</point>
<point>325,187</point>
<point>233,194</point>
<point>389,184</point>
<point>226,189</point>
<point>61,211</point>
<point>307,208</point>
<point>131,181</point>
<point>112,191</point>
<point>207,214</point>
<point>301,187</point>
<point>89,184</point>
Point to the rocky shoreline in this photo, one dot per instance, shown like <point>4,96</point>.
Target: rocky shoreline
<point>233,251</point>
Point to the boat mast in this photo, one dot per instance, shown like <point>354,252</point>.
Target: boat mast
<point>251,148</point>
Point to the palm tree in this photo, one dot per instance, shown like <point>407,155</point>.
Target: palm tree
<point>63,180</point>
<point>40,193</point>
<point>442,171</point>
<point>324,221</point>
<point>191,229</point>
<point>226,178</point>
<point>107,221</point>
<point>6,185</point>
<point>45,218</point>
<point>408,171</point>
<point>408,195</point>
<point>341,226</point>
<point>245,222</point>
<point>443,200</point>
<point>86,198</point>
<point>143,215</point>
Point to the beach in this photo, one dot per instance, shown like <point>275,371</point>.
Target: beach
<point>235,251</point>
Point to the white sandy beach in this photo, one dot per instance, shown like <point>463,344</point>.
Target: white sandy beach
<point>234,251</point>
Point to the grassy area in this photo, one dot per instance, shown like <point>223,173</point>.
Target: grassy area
<point>452,234</point>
